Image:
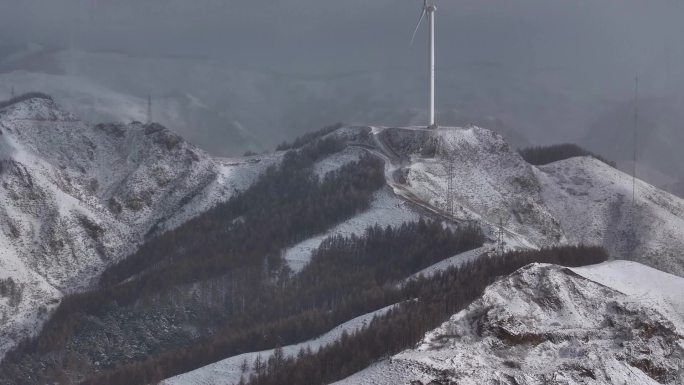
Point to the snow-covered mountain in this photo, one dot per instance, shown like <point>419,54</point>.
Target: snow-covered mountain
<point>230,370</point>
<point>577,200</point>
<point>78,197</point>
<point>227,110</point>
<point>547,324</point>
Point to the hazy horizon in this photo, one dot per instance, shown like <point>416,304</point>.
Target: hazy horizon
<point>550,71</point>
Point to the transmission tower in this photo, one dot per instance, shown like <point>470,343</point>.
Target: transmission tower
<point>500,241</point>
<point>499,218</point>
<point>451,190</point>
<point>450,186</point>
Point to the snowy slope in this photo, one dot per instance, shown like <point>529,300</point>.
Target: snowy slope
<point>455,261</point>
<point>546,324</point>
<point>577,200</point>
<point>566,202</point>
<point>77,197</point>
<point>489,178</point>
<point>594,205</point>
<point>229,372</point>
<point>644,284</point>
<point>386,210</point>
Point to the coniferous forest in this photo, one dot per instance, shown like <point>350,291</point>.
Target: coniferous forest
<point>437,298</point>
<point>218,286</point>
<point>541,155</point>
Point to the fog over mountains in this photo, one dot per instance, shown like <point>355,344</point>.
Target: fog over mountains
<point>234,76</point>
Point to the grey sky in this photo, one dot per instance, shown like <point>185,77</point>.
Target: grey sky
<point>550,69</point>
<point>362,34</point>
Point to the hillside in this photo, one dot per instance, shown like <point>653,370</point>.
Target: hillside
<point>78,197</point>
<point>595,205</point>
<point>493,185</point>
<point>187,260</point>
<point>550,325</point>
<point>576,200</point>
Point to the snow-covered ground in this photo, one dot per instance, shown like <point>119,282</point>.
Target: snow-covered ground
<point>646,285</point>
<point>594,204</point>
<point>386,210</point>
<point>491,183</point>
<point>577,200</point>
<point>546,324</point>
<point>448,263</point>
<point>229,371</point>
<point>337,160</point>
<point>567,202</point>
<point>78,197</point>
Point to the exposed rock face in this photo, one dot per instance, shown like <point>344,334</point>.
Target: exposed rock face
<point>546,324</point>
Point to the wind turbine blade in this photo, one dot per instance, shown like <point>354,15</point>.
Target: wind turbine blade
<point>422,16</point>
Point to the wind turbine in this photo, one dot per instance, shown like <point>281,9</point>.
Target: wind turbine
<point>429,10</point>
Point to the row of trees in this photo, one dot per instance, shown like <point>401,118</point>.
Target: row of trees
<point>308,138</point>
<point>11,290</point>
<point>24,97</point>
<point>347,277</point>
<point>288,203</point>
<point>236,246</point>
<point>439,297</point>
<point>541,155</point>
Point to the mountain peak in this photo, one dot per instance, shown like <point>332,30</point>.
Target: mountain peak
<point>34,107</point>
<point>548,324</point>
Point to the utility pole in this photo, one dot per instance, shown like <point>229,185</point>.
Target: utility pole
<point>443,151</point>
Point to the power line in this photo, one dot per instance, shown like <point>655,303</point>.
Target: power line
<point>149,109</point>
<point>450,173</point>
<point>634,141</point>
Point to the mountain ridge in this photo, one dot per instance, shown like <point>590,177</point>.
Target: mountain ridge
<point>103,188</point>
<point>78,197</point>
<point>546,324</point>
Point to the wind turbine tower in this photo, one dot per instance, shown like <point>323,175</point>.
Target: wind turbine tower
<point>429,10</point>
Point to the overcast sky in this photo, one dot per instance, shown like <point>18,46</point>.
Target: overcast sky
<point>549,68</point>
<point>324,35</point>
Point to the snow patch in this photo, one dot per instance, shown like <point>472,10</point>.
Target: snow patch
<point>385,210</point>
<point>229,372</point>
<point>547,324</point>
